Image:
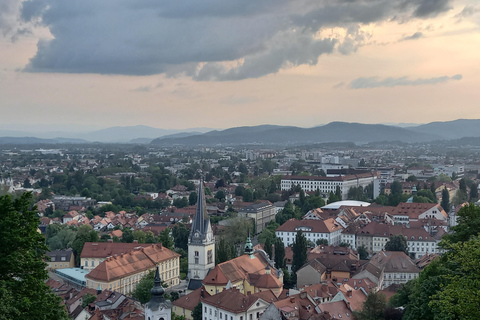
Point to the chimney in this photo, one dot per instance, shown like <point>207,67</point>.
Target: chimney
<point>135,241</point>
<point>249,293</point>
<point>110,240</point>
<point>349,293</point>
<point>202,294</point>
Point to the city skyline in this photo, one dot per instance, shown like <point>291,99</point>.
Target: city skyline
<point>220,65</point>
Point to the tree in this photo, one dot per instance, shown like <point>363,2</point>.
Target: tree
<point>396,187</point>
<point>373,307</point>
<point>180,202</point>
<point>239,190</point>
<point>397,243</point>
<point>279,254</point>
<point>468,225</point>
<point>220,195</point>
<point>23,293</point>
<point>463,185</point>
<point>445,200</point>
<point>166,239</point>
<point>142,290</point>
<point>224,251</point>
<point>362,252</point>
<point>180,236</point>
<point>197,312</point>
<point>87,299</point>
<point>85,233</point>
<point>192,198</point>
<point>473,193</point>
<point>26,183</point>
<point>268,247</point>
<point>247,195</point>
<point>322,242</point>
<point>411,178</point>
<point>312,202</point>
<point>299,249</point>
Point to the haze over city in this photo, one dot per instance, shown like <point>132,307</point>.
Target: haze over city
<point>220,64</point>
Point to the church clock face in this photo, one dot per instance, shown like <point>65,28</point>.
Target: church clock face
<point>196,234</point>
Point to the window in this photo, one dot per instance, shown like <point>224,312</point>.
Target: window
<point>209,257</point>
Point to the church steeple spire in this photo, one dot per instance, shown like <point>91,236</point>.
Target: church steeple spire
<point>249,246</point>
<point>158,307</point>
<point>201,220</point>
<point>157,290</point>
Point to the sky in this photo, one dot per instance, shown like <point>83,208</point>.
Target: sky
<point>78,65</point>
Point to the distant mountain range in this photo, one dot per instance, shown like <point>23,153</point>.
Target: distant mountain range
<point>332,132</point>
<point>261,135</point>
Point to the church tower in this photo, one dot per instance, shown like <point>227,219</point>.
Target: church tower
<point>201,244</point>
<point>158,308</point>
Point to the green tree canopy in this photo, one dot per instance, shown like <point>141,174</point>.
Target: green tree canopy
<point>468,225</point>
<point>362,252</point>
<point>373,307</point>
<point>445,200</point>
<point>23,293</point>
<point>397,243</point>
<point>279,254</point>
<point>299,249</point>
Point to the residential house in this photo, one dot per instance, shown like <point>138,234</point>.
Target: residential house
<point>60,259</point>
<point>387,267</point>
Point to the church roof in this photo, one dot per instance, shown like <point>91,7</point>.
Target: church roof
<point>201,221</point>
<point>243,267</point>
<point>157,300</point>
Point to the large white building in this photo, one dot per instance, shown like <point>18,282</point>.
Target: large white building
<point>329,184</point>
<point>313,230</point>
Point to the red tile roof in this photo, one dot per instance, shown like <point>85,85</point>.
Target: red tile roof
<point>316,226</point>
<point>136,261</point>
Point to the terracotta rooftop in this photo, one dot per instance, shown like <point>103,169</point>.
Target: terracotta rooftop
<point>108,249</point>
<point>191,300</point>
<point>315,226</point>
<point>231,300</point>
<point>136,261</point>
<point>242,268</point>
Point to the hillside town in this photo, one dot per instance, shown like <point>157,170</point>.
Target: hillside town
<point>238,233</point>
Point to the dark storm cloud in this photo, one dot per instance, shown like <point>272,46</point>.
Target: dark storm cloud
<point>374,82</point>
<point>195,37</point>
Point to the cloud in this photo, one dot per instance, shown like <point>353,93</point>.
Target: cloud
<point>467,11</point>
<point>415,36</point>
<point>143,89</point>
<point>206,40</point>
<point>374,82</point>
<point>9,11</point>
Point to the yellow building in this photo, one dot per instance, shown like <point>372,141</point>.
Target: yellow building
<point>94,253</point>
<point>123,272</point>
<point>60,259</point>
